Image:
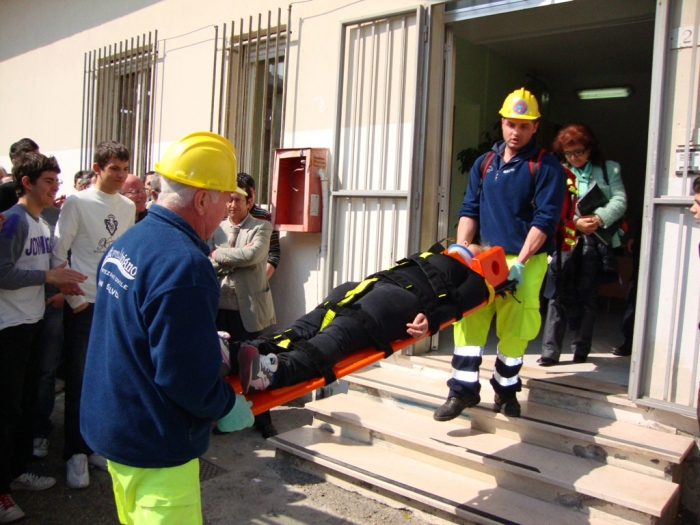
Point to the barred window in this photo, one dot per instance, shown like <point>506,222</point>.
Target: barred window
<point>118,98</point>
<point>255,96</point>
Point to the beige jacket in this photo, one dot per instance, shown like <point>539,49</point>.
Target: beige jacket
<point>243,268</point>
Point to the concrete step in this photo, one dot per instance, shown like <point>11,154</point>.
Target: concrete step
<point>593,488</point>
<point>450,492</point>
<point>625,445</point>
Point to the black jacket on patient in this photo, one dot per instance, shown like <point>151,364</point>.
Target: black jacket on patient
<point>438,286</point>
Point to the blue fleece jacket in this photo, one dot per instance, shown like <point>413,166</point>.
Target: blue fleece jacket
<point>152,387</point>
<point>511,200</point>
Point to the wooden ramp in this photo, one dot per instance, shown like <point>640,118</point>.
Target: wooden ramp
<point>551,465</point>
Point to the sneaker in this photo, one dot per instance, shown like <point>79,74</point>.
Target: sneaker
<point>255,371</point>
<point>41,447</point>
<point>224,339</point>
<point>506,405</point>
<point>31,481</point>
<point>9,510</point>
<point>77,476</point>
<point>97,461</point>
<point>547,361</point>
<point>454,406</point>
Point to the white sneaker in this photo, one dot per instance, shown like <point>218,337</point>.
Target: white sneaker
<point>9,510</point>
<point>97,461</point>
<point>31,481</point>
<point>255,371</point>
<point>41,447</point>
<point>77,476</point>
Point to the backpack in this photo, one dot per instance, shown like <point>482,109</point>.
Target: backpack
<point>565,238</point>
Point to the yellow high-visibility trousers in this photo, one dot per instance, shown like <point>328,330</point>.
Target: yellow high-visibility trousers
<point>157,496</point>
<point>517,321</point>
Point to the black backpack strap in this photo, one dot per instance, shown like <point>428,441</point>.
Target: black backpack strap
<point>442,286</point>
<point>605,172</point>
<point>324,368</point>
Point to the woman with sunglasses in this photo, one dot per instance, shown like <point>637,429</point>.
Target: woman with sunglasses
<point>575,292</point>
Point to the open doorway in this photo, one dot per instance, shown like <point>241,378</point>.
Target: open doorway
<point>555,51</point>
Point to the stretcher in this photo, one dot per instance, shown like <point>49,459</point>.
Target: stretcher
<point>491,265</point>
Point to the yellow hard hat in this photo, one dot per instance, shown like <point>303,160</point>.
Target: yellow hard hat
<point>203,160</point>
<point>521,104</point>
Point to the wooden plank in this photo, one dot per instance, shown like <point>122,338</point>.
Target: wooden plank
<point>619,435</point>
<point>451,492</point>
<point>614,485</point>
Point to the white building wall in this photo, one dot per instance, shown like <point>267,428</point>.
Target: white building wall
<point>42,49</point>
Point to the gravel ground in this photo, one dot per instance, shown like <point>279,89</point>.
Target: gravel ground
<point>254,486</point>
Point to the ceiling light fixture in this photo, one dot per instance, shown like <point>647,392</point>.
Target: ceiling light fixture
<point>595,94</point>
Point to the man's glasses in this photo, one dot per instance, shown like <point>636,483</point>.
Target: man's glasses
<point>575,153</point>
<point>134,192</point>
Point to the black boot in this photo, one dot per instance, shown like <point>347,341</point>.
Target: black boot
<point>624,349</point>
<point>454,406</point>
<point>507,405</point>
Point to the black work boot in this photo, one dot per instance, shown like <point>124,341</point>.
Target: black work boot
<point>507,405</point>
<point>454,406</point>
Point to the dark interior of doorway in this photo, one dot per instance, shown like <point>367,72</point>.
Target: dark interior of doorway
<point>556,51</point>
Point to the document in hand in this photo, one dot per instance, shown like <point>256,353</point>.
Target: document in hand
<point>593,199</point>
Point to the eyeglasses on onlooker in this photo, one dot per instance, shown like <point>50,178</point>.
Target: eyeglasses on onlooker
<point>575,153</point>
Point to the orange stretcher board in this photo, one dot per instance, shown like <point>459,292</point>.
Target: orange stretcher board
<point>491,265</point>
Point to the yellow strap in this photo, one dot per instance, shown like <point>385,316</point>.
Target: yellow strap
<point>360,288</point>
<point>330,315</point>
<point>492,292</point>
<point>349,297</point>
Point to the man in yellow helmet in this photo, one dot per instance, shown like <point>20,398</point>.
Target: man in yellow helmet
<point>514,199</point>
<point>152,385</point>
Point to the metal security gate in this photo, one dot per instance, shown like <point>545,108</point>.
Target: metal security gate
<point>374,208</point>
<point>665,352</point>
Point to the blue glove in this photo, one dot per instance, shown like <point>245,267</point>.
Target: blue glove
<point>239,418</point>
<point>516,273</point>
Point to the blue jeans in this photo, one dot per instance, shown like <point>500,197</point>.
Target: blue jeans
<point>77,337</point>
<point>51,345</point>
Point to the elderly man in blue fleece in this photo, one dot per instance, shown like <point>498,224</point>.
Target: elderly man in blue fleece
<point>152,385</point>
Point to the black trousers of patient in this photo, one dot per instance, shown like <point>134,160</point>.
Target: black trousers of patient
<point>389,305</point>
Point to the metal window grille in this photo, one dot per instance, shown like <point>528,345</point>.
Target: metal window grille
<point>118,101</point>
<point>251,94</point>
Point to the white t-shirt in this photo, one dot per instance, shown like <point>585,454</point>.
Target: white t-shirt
<point>90,222</point>
<point>26,247</point>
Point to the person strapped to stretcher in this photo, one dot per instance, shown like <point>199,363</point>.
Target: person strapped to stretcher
<point>410,299</point>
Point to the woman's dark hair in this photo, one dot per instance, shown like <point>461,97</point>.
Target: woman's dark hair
<point>577,134</point>
<point>696,185</point>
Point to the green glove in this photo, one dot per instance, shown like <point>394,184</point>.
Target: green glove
<point>516,273</point>
<point>239,418</point>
